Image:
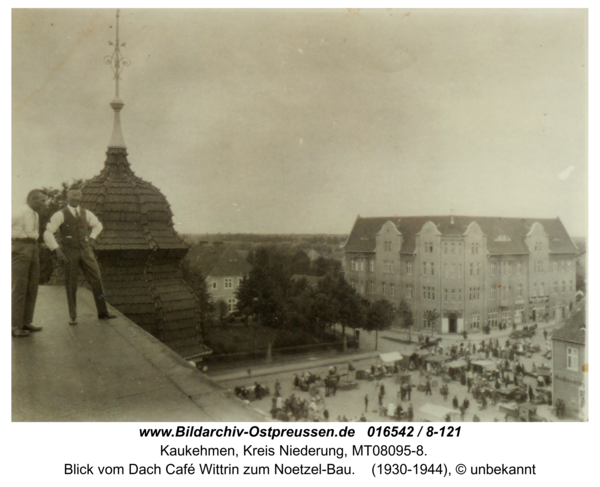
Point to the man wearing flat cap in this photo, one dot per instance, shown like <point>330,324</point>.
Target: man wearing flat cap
<point>79,229</point>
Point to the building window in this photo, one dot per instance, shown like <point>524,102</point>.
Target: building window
<point>425,321</point>
<point>538,246</point>
<point>446,295</point>
<point>228,283</point>
<point>563,287</point>
<point>493,293</point>
<point>474,248</point>
<point>452,248</point>
<point>231,302</point>
<point>452,296</point>
<point>570,286</point>
<point>520,290</point>
<point>409,268</point>
<point>555,287</point>
<point>509,267</point>
<point>370,286</point>
<point>383,288</point>
<point>392,290</point>
<point>460,295</point>
<point>474,320</point>
<point>543,289</point>
<point>428,247</point>
<point>362,264</point>
<point>424,268</point>
<point>471,269</point>
<point>353,265</point>
<point>519,268</point>
<point>446,271</point>
<point>493,319</point>
<point>478,268</point>
<point>572,358</point>
<point>240,279</point>
<point>453,271</point>
<point>353,283</point>
<point>445,247</point>
<point>409,291</point>
<point>372,265</point>
<point>214,285</point>
<point>564,266</point>
<point>554,267</point>
<point>540,266</point>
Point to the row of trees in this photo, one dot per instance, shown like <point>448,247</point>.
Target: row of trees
<point>269,297</point>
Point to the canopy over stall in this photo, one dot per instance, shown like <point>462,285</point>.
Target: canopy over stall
<point>433,413</point>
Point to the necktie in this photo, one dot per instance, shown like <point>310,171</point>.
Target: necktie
<point>76,213</point>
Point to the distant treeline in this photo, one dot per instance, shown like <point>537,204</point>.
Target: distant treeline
<point>324,243</point>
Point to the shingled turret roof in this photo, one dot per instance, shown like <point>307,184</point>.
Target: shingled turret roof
<point>139,251</point>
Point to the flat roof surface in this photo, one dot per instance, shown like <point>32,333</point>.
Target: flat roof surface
<point>108,370</point>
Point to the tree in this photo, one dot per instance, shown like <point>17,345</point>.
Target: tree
<point>263,294</point>
<point>379,316</point>
<point>431,316</point>
<point>406,316</point>
<point>344,304</point>
<point>197,282</point>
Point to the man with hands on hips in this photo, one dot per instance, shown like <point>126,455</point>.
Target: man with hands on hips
<point>79,229</point>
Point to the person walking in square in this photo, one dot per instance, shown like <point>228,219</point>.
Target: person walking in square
<point>366,403</point>
<point>79,229</point>
<point>25,263</point>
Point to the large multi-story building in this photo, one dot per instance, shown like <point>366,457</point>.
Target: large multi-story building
<point>474,271</point>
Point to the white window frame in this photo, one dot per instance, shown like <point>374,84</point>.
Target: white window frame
<point>572,358</point>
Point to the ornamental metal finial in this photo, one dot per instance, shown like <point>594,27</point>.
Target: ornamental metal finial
<point>116,60</point>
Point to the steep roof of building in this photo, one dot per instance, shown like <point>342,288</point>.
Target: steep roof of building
<point>218,260</point>
<point>497,229</point>
<point>573,328</point>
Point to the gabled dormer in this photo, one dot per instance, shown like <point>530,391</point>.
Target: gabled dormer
<point>537,240</point>
<point>427,241</point>
<point>388,239</point>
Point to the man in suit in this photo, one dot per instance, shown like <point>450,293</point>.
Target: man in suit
<point>25,262</point>
<point>79,229</point>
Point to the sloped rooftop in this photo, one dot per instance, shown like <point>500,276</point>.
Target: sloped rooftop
<point>497,229</point>
<point>108,371</point>
<point>218,260</point>
<point>573,328</point>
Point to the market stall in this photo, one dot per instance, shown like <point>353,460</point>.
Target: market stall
<point>433,413</point>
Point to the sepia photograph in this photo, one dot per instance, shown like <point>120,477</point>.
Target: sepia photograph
<point>299,215</point>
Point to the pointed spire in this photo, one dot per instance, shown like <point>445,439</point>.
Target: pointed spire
<point>117,63</point>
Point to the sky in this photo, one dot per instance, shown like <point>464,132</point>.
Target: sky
<point>297,121</point>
